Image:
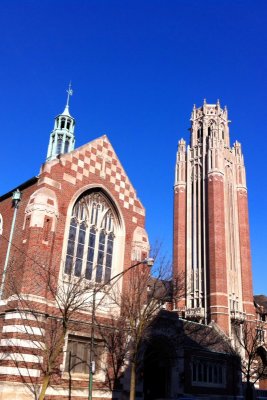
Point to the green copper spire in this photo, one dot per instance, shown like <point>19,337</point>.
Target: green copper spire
<point>62,137</point>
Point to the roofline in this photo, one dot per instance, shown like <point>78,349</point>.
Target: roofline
<point>22,186</point>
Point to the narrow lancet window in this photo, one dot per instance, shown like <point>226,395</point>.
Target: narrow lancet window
<point>62,125</point>
<point>66,145</point>
<point>59,145</point>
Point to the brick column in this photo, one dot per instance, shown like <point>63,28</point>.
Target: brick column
<point>245,255</point>
<point>179,245</point>
<point>218,297</point>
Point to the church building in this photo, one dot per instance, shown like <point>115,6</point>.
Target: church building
<point>79,218</point>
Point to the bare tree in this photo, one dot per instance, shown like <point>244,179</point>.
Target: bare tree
<point>117,342</point>
<point>47,322</point>
<point>144,293</point>
<point>249,341</point>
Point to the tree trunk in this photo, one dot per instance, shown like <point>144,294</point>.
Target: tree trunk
<point>133,380</point>
<point>249,391</point>
<point>44,387</point>
<point>51,364</point>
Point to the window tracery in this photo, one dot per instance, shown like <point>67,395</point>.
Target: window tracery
<point>91,238</point>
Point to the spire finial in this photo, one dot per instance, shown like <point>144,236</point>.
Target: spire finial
<point>70,93</point>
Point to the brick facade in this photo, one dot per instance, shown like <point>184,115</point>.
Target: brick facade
<point>39,241</point>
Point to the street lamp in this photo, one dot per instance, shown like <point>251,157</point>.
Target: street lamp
<point>149,261</point>
<point>16,197</point>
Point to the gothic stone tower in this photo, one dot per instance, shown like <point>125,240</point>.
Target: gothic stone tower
<point>211,230</point>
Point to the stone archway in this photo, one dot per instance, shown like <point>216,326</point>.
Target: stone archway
<point>158,360</point>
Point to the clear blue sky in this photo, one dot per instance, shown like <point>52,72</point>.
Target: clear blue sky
<point>137,68</point>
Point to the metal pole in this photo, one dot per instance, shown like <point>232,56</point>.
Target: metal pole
<point>15,198</point>
<point>70,355</point>
<point>91,360</point>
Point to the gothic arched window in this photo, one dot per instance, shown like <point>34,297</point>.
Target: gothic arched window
<point>91,238</point>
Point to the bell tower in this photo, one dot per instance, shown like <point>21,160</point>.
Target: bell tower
<point>62,139</point>
<point>211,230</point>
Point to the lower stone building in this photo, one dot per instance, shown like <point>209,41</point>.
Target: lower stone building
<point>185,359</point>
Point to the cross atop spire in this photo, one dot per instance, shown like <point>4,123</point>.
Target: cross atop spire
<point>70,93</point>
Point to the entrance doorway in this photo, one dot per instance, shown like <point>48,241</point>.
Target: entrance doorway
<point>157,370</point>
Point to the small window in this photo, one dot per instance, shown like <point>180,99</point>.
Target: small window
<point>66,145</point>
<point>260,335</point>
<point>62,125</point>
<point>1,224</point>
<point>78,355</point>
<point>59,145</point>
<point>68,124</point>
<point>47,228</point>
<point>200,133</point>
<point>26,228</point>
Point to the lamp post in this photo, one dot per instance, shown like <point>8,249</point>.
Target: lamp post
<point>149,262</point>
<point>16,197</point>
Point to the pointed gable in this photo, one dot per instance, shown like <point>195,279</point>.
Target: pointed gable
<point>97,159</point>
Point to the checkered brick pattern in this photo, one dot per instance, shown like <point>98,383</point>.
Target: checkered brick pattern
<point>99,158</point>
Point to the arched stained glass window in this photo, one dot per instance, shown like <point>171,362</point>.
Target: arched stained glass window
<point>91,238</point>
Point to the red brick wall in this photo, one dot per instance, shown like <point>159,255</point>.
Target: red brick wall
<point>217,256</point>
<point>245,255</point>
<point>179,243</point>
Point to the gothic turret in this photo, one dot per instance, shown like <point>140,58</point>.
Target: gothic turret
<point>62,137</point>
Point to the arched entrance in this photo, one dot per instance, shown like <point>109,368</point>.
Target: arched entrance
<point>158,359</point>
